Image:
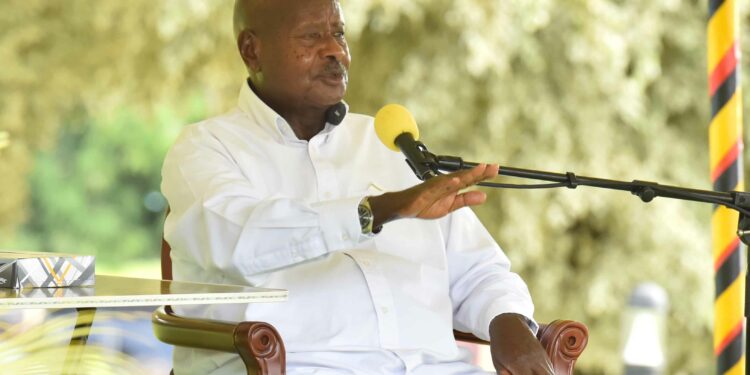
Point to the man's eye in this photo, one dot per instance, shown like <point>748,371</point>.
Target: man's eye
<point>314,35</point>
<point>339,34</point>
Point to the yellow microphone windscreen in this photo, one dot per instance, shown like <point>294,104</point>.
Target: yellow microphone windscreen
<point>393,120</point>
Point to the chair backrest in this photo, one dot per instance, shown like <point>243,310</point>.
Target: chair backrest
<point>258,343</point>
<point>166,259</point>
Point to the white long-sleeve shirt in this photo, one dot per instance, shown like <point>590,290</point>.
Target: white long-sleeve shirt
<point>251,204</point>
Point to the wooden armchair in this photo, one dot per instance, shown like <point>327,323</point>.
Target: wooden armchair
<point>262,350</point>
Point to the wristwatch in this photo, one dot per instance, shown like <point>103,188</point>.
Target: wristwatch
<point>366,217</point>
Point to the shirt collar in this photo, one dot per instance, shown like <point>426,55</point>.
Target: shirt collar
<point>266,117</point>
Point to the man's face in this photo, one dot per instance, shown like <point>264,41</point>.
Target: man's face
<point>306,59</point>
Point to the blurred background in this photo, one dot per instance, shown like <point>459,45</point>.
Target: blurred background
<point>92,93</point>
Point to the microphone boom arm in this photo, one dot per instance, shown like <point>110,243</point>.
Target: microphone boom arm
<point>646,191</point>
<point>431,165</point>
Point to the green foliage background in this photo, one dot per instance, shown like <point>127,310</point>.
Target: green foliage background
<point>93,92</point>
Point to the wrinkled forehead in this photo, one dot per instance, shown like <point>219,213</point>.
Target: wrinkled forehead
<point>274,17</point>
<point>299,13</point>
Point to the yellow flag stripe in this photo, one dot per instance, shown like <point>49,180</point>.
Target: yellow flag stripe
<point>737,369</point>
<point>721,31</point>
<point>728,309</point>
<point>725,130</point>
<point>724,229</point>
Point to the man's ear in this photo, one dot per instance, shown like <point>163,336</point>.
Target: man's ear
<point>249,47</point>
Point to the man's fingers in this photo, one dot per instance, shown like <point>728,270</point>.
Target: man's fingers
<point>477,174</point>
<point>470,198</point>
<point>465,178</point>
<point>436,189</point>
<point>424,195</point>
<point>473,198</point>
<point>492,171</point>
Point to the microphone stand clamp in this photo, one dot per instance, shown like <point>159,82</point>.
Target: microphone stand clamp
<point>427,165</point>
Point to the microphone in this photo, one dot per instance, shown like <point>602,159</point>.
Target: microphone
<point>396,128</point>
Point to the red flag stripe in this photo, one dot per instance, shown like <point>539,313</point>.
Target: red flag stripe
<point>723,69</point>
<point>726,253</point>
<point>726,161</point>
<point>737,330</point>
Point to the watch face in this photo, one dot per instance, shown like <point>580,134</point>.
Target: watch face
<point>365,216</point>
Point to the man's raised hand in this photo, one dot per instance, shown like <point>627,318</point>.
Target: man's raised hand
<point>433,198</point>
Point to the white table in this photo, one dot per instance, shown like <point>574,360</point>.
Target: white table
<point>118,291</point>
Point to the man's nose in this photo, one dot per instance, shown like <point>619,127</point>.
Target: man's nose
<point>335,47</point>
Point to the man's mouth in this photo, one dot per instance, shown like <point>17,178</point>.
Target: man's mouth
<point>335,73</point>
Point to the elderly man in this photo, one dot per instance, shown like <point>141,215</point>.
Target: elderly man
<point>286,191</point>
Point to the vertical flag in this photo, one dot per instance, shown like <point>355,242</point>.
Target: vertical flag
<point>725,143</point>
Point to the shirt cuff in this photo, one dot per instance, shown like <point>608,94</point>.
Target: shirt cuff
<point>339,222</point>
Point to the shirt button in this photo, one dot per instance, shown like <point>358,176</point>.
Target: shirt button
<point>345,237</point>
<point>366,263</point>
<point>384,309</point>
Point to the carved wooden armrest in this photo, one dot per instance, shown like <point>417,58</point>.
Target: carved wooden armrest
<point>258,344</point>
<point>563,340</point>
